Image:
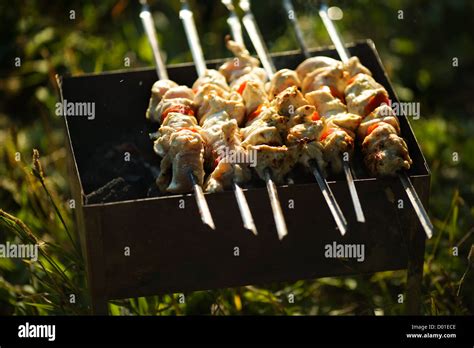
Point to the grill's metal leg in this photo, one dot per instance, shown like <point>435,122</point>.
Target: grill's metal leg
<point>416,254</point>
<point>415,271</point>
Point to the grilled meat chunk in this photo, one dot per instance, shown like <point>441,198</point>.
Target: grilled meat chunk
<point>282,79</point>
<point>385,152</point>
<point>363,94</point>
<point>314,63</point>
<point>158,89</point>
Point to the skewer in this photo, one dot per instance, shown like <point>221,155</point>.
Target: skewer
<point>288,5</point>
<point>149,26</point>
<point>353,191</point>
<point>333,33</point>
<point>346,165</point>
<point>257,41</point>
<point>330,199</point>
<point>417,205</point>
<point>249,23</point>
<point>234,22</point>
<point>187,18</point>
<point>202,203</point>
<point>403,176</point>
<point>194,43</point>
<point>276,206</point>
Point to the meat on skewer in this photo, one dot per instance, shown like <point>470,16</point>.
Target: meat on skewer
<point>265,129</point>
<point>194,151</point>
<point>324,88</point>
<point>179,140</point>
<point>385,151</point>
<point>366,104</point>
<point>220,112</point>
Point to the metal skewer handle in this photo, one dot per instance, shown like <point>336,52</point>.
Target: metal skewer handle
<point>333,33</point>
<point>353,191</point>
<point>417,205</point>
<point>290,13</point>
<point>256,38</point>
<point>276,206</point>
<point>150,31</point>
<point>234,22</point>
<point>187,17</point>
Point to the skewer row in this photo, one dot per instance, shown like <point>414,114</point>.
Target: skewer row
<point>236,96</point>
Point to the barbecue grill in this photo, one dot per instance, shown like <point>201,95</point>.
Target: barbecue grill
<point>156,244</point>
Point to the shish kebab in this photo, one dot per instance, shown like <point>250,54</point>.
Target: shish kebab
<point>302,73</point>
<point>385,152</point>
<point>303,137</point>
<point>270,160</point>
<point>220,111</point>
<point>182,142</point>
<point>268,119</point>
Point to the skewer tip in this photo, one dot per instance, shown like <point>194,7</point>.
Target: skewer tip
<point>276,206</point>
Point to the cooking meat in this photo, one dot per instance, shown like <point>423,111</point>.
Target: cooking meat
<point>314,63</point>
<point>158,89</point>
<point>363,94</point>
<point>335,77</point>
<point>286,102</point>
<point>179,141</point>
<point>353,66</point>
<point>185,156</point>
<point>281,80</point>
<point>385,153</point>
